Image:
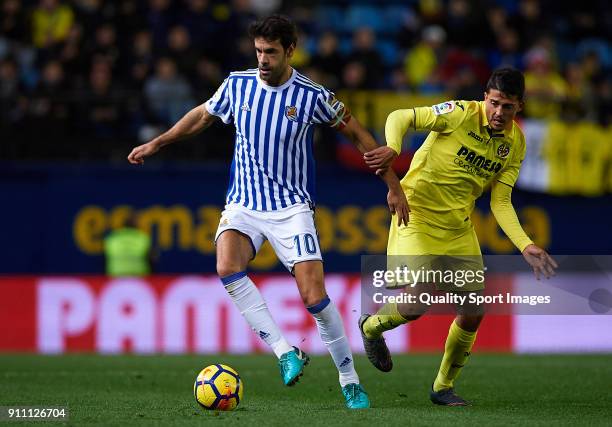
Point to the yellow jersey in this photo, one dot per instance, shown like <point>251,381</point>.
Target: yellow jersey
<point>459,158</point>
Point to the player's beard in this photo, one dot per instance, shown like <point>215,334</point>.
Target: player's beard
<point>275,74</point>
<point>262,74</point>
<point>497,124</point>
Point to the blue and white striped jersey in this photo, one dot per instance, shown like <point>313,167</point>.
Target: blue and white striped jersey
<point>273,164</point>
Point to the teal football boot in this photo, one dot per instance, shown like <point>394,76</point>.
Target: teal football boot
<point>356,397</point>
<point>292,364</point>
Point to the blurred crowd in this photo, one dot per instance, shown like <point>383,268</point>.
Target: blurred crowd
<point>87,79</point>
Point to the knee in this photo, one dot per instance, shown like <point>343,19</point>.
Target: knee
<point>312,297</point>
<point>469,323</point>
<point>410,317</point>
<point>228,267</point>
<point>411,312</point>
<point>315,303</point>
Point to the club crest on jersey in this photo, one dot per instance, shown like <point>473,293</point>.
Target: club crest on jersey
<point>443,108</point>
<point>503,150</point>
<point>291,112</point>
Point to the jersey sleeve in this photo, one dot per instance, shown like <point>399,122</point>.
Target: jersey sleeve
<point>501,206</point>
<point>219,104</point>
<point>330,111</point>
<point>442,118</point>
<point>510,173</point>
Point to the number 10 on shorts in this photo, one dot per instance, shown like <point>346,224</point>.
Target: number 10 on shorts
<point>306,242</point>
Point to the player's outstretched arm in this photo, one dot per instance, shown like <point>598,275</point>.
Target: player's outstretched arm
<point>365,142</point>
<point>396,126</point>
<point>501,206</point>
<point>192,123</point>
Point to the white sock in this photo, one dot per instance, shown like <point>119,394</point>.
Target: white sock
<point>331,330</point>
<point>253,308</point>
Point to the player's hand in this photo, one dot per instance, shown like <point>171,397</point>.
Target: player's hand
<point>540,261</point>
<point>380,158</point>
<point>139,153</point>
<point>398,205</point>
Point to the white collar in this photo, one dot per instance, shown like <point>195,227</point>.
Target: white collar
<point>277,88</point>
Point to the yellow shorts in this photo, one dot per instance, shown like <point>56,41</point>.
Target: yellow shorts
<point>419,245</point>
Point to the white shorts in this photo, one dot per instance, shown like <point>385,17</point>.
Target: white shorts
<point>291,231</point>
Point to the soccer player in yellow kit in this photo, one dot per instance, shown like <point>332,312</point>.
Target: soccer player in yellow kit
<point>472,145</point>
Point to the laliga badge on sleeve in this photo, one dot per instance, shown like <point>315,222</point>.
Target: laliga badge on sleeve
<point>443,108</point>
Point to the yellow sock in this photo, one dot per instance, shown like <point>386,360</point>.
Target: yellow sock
<point>387,318</point>
<point>456,352</point>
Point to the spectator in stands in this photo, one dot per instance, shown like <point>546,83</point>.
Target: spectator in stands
<point>583,23</point>
<point>463,17</point>
<point>591,65</point>
<point>182,52</point>
<point>603,101</point>
<point>364,52</point>
<point>497,23</point>
<point>465,84</point>
<point>301,56</point>
<point>506,53</point>
<point>580,101</point>
<point>207,79</point>
<point>265,7</point>
<point>241,15</point>
<point>71,55</point>
<point>168,93</point>
<point>422,61</point>
<point>105,46</point>
<point>458,59</point>
<point>354,76</point>
<point>103,108</point>
<point>328,59</point>
<point>160,17</point>
<point>140,60</point>
<point>129,16</point>
<point>13,106</point>
<point>13,21</point>
<point>51,21</point>
<point>92,13</point>
<point>50,113</point>
<point>242,57</point>
<point>398,81</point>
<point>530,22</point>
<point>544,87</point>
<point>10,89</point>
<point>231,25</point>
<point>198,20</point>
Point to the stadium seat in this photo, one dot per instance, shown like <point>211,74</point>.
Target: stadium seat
<point>364,16</point>
<point>395,17</point>
<point>389,51</point>
<point>330,18</point>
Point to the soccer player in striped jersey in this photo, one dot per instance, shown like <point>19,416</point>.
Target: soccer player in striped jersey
<point>271,194</point>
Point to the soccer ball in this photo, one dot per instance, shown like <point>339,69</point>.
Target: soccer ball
<point>218,387</point>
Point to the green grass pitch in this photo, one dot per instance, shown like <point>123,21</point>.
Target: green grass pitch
<point>157,390</point>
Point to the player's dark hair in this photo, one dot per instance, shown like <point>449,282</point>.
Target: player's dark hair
<point>509,81</point>
<point>275,27</point>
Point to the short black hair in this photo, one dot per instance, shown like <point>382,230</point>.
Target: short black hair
<point>275,27</point>
<point>509,81</point>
